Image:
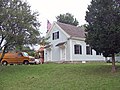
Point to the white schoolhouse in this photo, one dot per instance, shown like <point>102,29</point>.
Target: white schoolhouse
<point>67,43</point>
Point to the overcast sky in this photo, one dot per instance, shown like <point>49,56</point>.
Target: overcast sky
<point>49,9</point>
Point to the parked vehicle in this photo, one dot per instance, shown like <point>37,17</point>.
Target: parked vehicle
<point>17,58</point>
<point>37,61</point>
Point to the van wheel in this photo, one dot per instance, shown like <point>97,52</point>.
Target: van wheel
<point>26,62</point>
<point>4,63</point>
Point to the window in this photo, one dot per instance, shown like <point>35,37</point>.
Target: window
<point>20,55</point>
<point>77,49</point>
<point>97,53</point>
<point>88,50</point>
<point>56,35</point>
<point>25,54</point>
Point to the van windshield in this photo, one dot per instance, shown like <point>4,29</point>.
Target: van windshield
<point>25,54</point>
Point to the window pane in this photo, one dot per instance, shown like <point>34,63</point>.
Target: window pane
<point>88,50</point>
<point>77,49</point>
<point>56,35</point>
<point>80,49</point>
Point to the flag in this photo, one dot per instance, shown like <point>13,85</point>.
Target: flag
<point>48,25</point>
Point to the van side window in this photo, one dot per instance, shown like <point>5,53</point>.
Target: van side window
<point>20,54</point>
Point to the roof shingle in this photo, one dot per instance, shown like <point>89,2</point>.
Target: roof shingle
<point>73,31</point>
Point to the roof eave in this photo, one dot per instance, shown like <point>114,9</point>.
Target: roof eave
<point>78,38</point>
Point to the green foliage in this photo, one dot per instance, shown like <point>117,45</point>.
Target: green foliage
<point>118,54</point>
<point>89,76</point>
<point>67,18</point>
<point>31,53</point>
<point>103,29</point>
<point>18,24</point>
<point>44,41</point>
<point>27,49</point>
<point>37,56</point>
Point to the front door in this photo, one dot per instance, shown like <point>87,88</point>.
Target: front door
<point>20,58</point>
<point>63,54</point>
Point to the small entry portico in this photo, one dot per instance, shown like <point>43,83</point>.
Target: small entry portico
<point>62,50</point>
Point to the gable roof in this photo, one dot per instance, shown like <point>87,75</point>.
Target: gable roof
<point>71,30</point>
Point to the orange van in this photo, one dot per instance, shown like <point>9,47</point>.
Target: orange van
<point>17,58</point>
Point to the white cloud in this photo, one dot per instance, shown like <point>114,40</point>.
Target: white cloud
<point>49,9</point>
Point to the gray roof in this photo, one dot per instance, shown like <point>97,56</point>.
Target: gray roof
<point>73,31</point>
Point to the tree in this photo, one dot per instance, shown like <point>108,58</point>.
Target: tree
<point>18,25</point>
<point>103,29</point>
<point>67,18</point>
<point>44,41</point>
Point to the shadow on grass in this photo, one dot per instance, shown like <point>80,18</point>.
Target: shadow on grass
<point>93,69</point>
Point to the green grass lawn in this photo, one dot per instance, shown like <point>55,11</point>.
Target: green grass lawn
<point>89,76</point>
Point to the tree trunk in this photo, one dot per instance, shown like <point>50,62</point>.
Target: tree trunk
<point>3,53</point>
<point>113,63</point>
